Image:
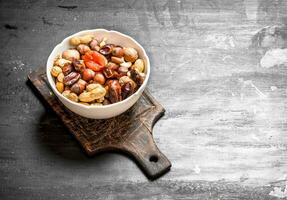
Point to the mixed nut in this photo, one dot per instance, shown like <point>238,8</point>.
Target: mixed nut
<point>97,73</point>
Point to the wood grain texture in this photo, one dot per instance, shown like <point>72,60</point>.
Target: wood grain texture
<point>224,128</point>
<point>130,132</point>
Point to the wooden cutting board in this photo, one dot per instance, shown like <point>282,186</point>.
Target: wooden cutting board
<point>130,132</point>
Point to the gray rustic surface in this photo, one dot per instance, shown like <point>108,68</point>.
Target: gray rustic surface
<point>225,126</point>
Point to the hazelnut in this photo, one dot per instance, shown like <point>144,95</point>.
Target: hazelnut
<point>88,74</point>
<point>82,48</point>
<point>118,52</point>
<point>79,87</point>
<point>100,78</point>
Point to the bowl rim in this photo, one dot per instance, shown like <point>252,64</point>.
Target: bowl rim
<point>140,89</point>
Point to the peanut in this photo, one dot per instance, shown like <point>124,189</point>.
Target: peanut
<point>85,39</point>
<point>92,86</point>
<point>86,97</point>
<point>98,92</point>
<point>92,95</point>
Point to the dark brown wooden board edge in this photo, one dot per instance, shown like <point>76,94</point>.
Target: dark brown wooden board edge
<point>36,76</point>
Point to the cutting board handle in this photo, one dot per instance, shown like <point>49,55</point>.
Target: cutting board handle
<point>143,148</point>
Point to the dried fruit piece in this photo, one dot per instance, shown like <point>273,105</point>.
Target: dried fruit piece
<point>109,73</point>
<point>127,90</point>
<point>95,60</point>
<point>71,78</point>
<point>67,69</point>
<point>137,77</point>
<point>115,91</point>
<point>94,66</point>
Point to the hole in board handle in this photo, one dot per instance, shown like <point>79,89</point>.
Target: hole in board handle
<point>153,158</point>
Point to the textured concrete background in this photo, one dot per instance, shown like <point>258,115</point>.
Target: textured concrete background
<point>225,126</point>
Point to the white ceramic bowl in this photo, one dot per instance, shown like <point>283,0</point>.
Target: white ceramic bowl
<point>107,111</point>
